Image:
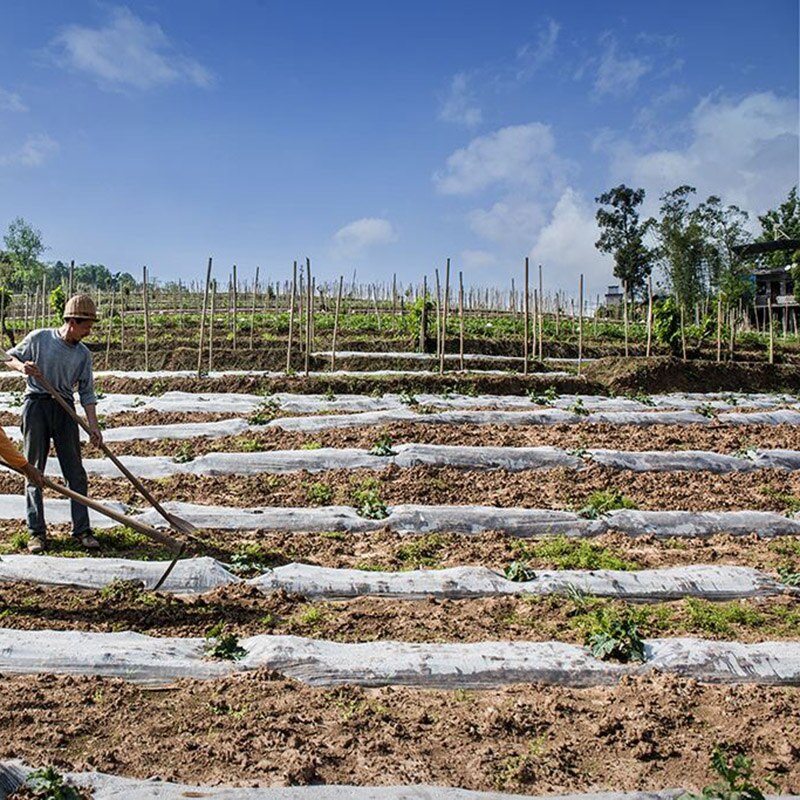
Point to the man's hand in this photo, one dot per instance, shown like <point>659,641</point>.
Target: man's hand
<point>33,475</point>
<point>95,435</point>
<point>31,368</point>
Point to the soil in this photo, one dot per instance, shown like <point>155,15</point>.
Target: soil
<point>259,729</point>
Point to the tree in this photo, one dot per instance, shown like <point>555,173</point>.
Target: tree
<point>781,223</point>
<point>25,246</point>
<point>622,236</point>
<point>681,246</point>
<point>724,229</point>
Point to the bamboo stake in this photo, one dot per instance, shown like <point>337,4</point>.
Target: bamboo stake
<point>71,278</point>
<point>110,325</point>
<point>438,318</point>
<point>541,316</point>
<point>733,333</point>
<point>683,332</point>
<point>233,287</point>
<point>423,319</point>
<point>308,316</point>
<point>580,326</point>
<point>444,313</point>
<point>44,300</point>
<point>526,322</point>
<point>253,310</point>
<point>535,334</point>
<point>211,325</point>
<point>336,323</point>
<point>146,321</point>
<point>771,331</point>
<point>625,315</point>
<point>460,321</point>
<point>649,315</point>
<point>203,321</point>
<point>291,318</point>
<point>719,327</point>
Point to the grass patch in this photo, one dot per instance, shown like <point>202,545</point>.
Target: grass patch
<point>600,503</point>
<point>720,618</point>
<point>423,551</point>
<point>565,553</point>
<point>223,646</point>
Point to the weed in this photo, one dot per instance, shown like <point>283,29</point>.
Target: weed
<point>614,635</point>
<point>265,413</point>
<point>368,501</point>
<point>185,453</point>
<point>600,503</point>
<point>644,399</point>
<point>368,566</point>
<point>519,571</point>
<point>138,402</point>
<point>719,618</point>
<point>19,540</point>
<point>579,408</point>
<point>16,399</point>
<point>735,779</point>
<point>337,535</point>
<point>121,591</point>
<point>545,398</point>
<point>423,551</point>
<point>319,494</point>
<point>222,645</point>
<point>706,411</point>
<point>254,558</point>
<point>310,616</point>
<point>329,394</point>
<point>566,553</point>
<point>407,398</point>
<point>788,576</point>
<point>789,502</point>
<point>463,696</point>
<point>48,784</point>
<point>382,446</point>
<point>310,446</point>
<point>578,452</point>
<point>247,444</point>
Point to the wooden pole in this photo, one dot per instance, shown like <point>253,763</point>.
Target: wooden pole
<point>438,319</point>
<point>733,334</point>
<point>211,326</point>
<point>683,331</point>
<point>580,325</point>
<point>771,331</point>
<point>719,327</point>
<point>110,325</point>
<point>541,317</point>
<point>146,316</point>
<point>444,313</point>
<point>625,315</point>
<point>336,323</point>
<point>308,317</point>
<point>423,317</point>
<point>291,318</point>
<point>203,320</point>
<point>460,320</point>
<point>71,290</point>
<point>526,320</point>
<point>233,287</point>
<point>253,310</point>
<point>649,315</point>
<point>44,300</point>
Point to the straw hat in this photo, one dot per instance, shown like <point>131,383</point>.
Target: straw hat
<point>81,306</point>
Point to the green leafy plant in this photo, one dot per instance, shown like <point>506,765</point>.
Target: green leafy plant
<point>614,635</point>
<point>319,494</point>
<point>120,590</point>
<point>600,503</point>
<point>368,501</point>
<point>706,411</point>
<point>735,779</point>
<point>545,398</point>
<point>223,645</point>
<point>568,553</point>
<point>310,446</point>
<point>788,576</point>
<point>579,408</point>
<point>48,784</point>
<point>519,571</point>
<point>329,394</point>
<point>184,454</point>
<point>421,551</point>
<point>266,412</point>
<point>407,398</point>
<point>382,446</point>
<point>254,558</point>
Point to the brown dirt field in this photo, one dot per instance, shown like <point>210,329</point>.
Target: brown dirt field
<point>260,729</point>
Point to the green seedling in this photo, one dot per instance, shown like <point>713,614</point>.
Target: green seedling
<point>48,784</point>
<point>788,576</point>
<point>519,571</point>
<point>579,408</point>
<point>184,454</point>
<point>407,398</point>
<point>735,779</point>
<point>120,590</point>
<point>644,399</point>
<point>789,502</point>
<point>422,551</point>
<point>382,446</point>
<point>310,446</point>
<point>545,398</point>
<point>368,501</point>
<point>247,444</point>
<point>319,494</point>
<point>706,411</point>
<point>613,635</point>
<point>265,413</point>
<point>329,394</point>
<point>253,558</point>
<point>224,646</point>
<point>600,503</point>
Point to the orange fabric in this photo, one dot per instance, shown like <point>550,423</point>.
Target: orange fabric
<point>9,452</point>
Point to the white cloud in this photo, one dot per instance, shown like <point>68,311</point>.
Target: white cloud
<point>744,151</point>
<point>512,220</point>
<point>459,105</point>
<point>519,155</point>
<point>617,75</point>
<point>565,247</point>
<point>477,259</point>
<point>128,52</point>
<point>532,57</point>
<point>33,153</point>
<point>358,236</point>
<point>10,101</point>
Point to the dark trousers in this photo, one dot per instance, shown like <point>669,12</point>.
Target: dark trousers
<point>44,420</point>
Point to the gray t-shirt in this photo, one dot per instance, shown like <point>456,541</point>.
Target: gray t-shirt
<point>64,365</point>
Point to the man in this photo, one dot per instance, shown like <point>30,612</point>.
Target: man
<point>58,355</point>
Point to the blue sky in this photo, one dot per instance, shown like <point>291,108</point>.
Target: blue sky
<point>382,136</point>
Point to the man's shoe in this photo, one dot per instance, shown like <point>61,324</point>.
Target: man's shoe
<point>88,541</point>
<point>37,543</point>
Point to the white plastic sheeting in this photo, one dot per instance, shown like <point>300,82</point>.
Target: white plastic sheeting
<point>200,575</point>
<point>57,512</point>
<point>522,522</point>
<point>783,416</point>
<point>150,660</point>
<point>110,787</point>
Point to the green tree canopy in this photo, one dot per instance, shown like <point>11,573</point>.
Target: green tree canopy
<point>622,235</point>
<point>781,223</point>
<point>25,247</point>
